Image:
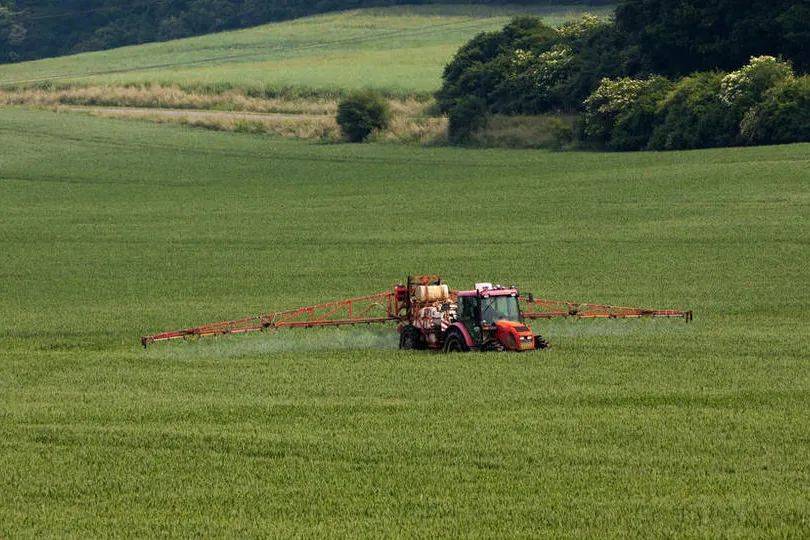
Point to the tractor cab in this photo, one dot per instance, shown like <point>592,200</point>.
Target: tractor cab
<point>491,315</point>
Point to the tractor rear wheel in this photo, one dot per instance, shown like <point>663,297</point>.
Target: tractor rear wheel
<point>454,343</point>
<point>411,339</point>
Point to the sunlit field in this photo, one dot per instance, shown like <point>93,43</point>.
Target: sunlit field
<point>112,229</point>
<point>399,50</point>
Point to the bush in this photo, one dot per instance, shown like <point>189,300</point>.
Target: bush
<point>744,88</point>
<point>783,115</point>
<point>362,113</point>
<point>468,116</point>
<point>694,116</point>
<point>621,114</point>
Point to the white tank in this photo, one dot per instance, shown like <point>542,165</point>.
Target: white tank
<point>432,293</point>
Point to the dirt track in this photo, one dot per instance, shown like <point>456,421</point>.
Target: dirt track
<point>193,113</point>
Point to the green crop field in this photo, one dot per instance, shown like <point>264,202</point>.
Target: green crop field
<point>399,50</point>
<point>110,229</point>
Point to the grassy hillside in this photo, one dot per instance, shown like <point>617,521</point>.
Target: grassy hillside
<point>111,229</point>
<point>399,50</point>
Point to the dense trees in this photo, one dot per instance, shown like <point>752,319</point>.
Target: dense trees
<point>12,33</point>
<point>654,77</point>
<point>530,68</point>
<point>38,28</point>
<point>761,103</point>
<point>682,36</point>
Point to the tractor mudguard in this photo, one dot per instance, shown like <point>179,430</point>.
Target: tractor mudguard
<point>464,332</point>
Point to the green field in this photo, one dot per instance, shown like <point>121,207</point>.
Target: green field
<point>398,50</point>
<point>112,229</point>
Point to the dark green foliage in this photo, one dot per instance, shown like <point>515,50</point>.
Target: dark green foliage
<point>468,115</point>
<point>635,125</point>
<point>481,65</point>
<point>747,86</point>
<point>362,113</point>
<point>530,68</point>
<point>622,115</point>
<point>782,117</point>
<point>648,37</point>
<point>676,37</point>
<point>601,52</point>
<point>760,103</point>
<point>12,34</point>
<point>694,116</point>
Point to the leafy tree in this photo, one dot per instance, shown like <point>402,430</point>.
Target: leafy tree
<point>599,51</point>
<point>694,116</point>
<point>362,113</point>
<point>783,116</point>
<point>747,86</point>
<point>483,64</point>
<point>622,114</point>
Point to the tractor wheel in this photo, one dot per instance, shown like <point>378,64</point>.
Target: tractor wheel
<point>410,339</point>
<point>454,343</point>
<point>540,343</point>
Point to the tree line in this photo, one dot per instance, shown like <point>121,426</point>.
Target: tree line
<point>31,29</point>
<point>662,74</point>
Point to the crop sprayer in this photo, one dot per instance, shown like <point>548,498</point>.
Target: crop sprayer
<point>431,316</point>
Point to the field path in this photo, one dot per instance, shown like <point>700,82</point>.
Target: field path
<point>201,114</point>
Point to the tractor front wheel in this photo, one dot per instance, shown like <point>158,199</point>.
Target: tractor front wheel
<point>540,343</point>
<point>454,343</point>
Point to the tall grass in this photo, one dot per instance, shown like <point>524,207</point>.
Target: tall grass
<point>170,97</point>
<point>231,111</point>
<point>551,131</point>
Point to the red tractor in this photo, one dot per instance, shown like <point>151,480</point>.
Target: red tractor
<point>487,318</point>
<point>429,315</point>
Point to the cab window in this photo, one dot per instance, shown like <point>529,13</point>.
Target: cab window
<point>499,308</point>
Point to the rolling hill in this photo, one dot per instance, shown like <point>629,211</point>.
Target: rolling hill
<point>399,50</point>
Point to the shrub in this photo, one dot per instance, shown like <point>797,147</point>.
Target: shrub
<point>783,115</point>
<point>362,113</point>
<point>694,116</point>
<point>621,114</point>
<point>747,86</point>
<point>530,82</point>
<point>468,116</point>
